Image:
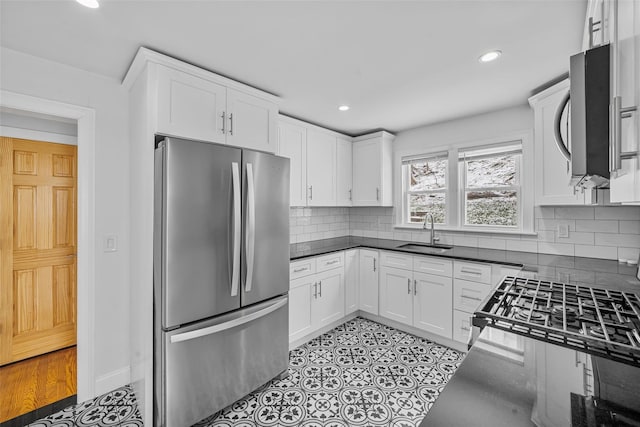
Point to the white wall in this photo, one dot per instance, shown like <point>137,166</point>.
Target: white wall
<point>41,78</point>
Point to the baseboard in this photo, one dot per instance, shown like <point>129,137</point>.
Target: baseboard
<point>112,380</point>
<point>400,326</point>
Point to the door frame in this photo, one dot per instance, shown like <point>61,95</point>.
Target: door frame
<point>85,118</point>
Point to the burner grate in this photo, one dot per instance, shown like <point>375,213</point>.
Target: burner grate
<point>598,321</point>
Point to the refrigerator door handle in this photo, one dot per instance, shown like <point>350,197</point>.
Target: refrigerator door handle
<point>250,230</point>
<point>235,275</point>
<point>228,325</point>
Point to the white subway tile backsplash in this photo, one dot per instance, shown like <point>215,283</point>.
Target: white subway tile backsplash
<point>556,248</point>
<point>577,237</point>
<point>589,251</point>
<point>596,232</point>
<point>601,225</point>
<point>574,212</point>
<point>630,227</point>
<point>618,212</point>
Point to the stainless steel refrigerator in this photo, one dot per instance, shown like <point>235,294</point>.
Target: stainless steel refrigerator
<point>221,276</point>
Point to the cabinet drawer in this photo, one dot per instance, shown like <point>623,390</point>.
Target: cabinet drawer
<point>396,260</point>
<point>302,268</point>
<point>472,271</point>
<point>433,265</point>
<point>328,262</point>
<point>467,295</point>
<point>461,326</point>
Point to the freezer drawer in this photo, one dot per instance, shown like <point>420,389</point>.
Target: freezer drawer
<point>209,365</point>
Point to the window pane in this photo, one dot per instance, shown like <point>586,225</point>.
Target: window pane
<point>497,171</point>
<point>492,207</point>
<point>421,204</point>
<point>427,175</point>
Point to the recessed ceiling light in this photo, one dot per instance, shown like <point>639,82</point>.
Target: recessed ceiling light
<point>93,4</point>
<point>490,56</point>
<point>343,108</point>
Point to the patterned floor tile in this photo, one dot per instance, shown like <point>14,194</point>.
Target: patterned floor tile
<point>361,373</point>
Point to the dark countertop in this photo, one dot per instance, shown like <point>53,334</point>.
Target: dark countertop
<point>566,269</point>
<point>536,384</point>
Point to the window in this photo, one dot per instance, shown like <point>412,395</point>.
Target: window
<point>425,184</point>
<point>490,186</point>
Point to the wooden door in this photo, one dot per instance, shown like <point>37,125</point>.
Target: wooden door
<point>329,304</point>
<point>368,285</point>
<point>344,167</point>
<point>37,248</point>
<point>432,304</point>
<point>300,297</point>
<point>321,168</point>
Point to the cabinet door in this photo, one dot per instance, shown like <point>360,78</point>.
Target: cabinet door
<point>328,301</point>
<point>321,168</point>
<point>344,166</point>
<point>292,143</point>
<point>461,326</point>
<point>300,322</point>
<point>552,170</point>
<point>467,295</point>
<point>366,173</point>
<point>625,185</point>
<point>396,294</point>
<point>351,281</point>
<point>432,304</point>
<point>369,281</point>
<point>190,107</point>
<point>251,122</point>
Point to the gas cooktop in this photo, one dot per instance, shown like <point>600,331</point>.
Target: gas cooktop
<point>600,322</point>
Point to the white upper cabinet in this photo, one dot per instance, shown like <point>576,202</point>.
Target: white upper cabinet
<point>372,164</point>
<point>321,168</point>
<point>625,57</point>
<point>292,143</point>
<point>552,170</point>
<point>190,107</point>
<point>252,122</point>
<point>344,167</point>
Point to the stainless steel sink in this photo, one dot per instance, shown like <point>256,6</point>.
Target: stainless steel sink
<point>424,248</point>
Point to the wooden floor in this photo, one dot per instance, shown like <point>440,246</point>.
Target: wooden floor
<point>36,382</point>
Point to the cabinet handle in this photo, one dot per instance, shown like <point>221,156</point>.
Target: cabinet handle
<point>415,287</point>
<point>377,193</point>
<point>311,192</point>
<point>320,295</point>
<point>593,29</point>
<point>223,122</point>
<point>465,328</point>
<point>350,194</point>
<point>231,124</point>
<point>315,290</point>
<point>374,264</point>
<point>409,286</point>
<point>298,270</point>
<point>333,262</point>
<point>619,113</point>
<point>464,270</point>
<point>473,298</point>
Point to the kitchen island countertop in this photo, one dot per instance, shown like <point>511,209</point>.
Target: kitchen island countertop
<point>567,269</point>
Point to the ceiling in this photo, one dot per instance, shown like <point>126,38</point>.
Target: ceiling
<point>397,64</point>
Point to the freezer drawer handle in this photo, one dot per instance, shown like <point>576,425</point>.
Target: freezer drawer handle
<point>227,325</point>
<point>251,226</point>
<point>235,275</point>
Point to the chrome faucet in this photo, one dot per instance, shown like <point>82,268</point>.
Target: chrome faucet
<point>432,237</point>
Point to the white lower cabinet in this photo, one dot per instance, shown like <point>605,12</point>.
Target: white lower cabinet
<point>351,281</point>
<point>461,326</point>
<point>316,299</point>
<point>368,286</point>
<point>432,304</point>
<point>396,294</point>
<point>415,298</point>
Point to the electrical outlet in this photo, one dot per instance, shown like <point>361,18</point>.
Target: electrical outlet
<point>563,230</point>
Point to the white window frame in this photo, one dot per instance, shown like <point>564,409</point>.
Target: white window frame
<point>405,175</point>
<point>453,199</point>
<point>463,189</point>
